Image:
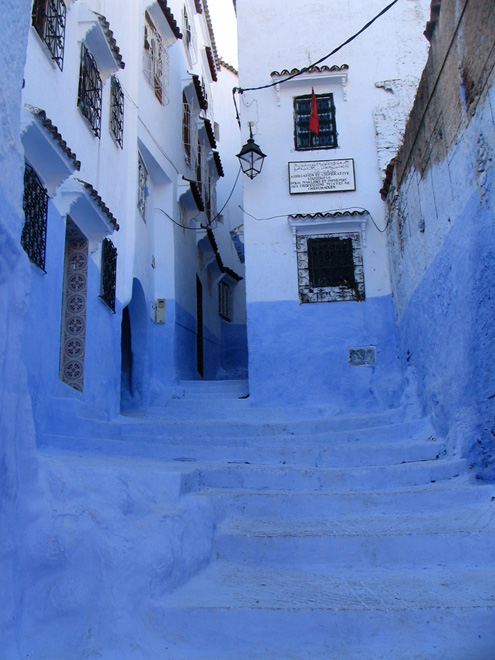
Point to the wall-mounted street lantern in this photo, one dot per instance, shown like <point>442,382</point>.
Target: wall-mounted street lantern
<point>251,157</point>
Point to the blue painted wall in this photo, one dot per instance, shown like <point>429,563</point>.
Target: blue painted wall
<point>234,351</point>
<point>301,354</point>
<point>53,400</point>
<point>447,335</point>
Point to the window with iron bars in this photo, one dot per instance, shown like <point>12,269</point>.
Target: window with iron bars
<point>330,268</point>
<point>108,273</point>
<point>199,165</point>
<point>155,61</point>
<point>186,129</point>
<point>187,29</point>
<point>89,95</point>
<point>225,301</point>
<point>142,188</point>
<point>327,134</point>
<point>48,19</point>
<point>117,111</point>
<point>35,204</point>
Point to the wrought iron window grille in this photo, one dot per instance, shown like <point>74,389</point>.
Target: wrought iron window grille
<point>225,301</point>
<point>108,273</point>
<point>305,139</point>
<point>155,61</point>
<point>35,204</point>
<point>90,87</point>
<point>49,19</point>
<point>142,188</point>
<point>330,268</point>
<point>186,129</point>
<point>189,37</point>
<point>199,166</point>
<point>187,29</point>
<point>117,111</point>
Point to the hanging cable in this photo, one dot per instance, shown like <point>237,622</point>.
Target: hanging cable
<point>202,227</point>
<point>322,59</point>
<point>178,223</point>
<point>342,211</point>
<point>228,198</point>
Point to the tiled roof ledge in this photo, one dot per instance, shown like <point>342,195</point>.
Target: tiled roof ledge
<point>45,149</point>
<point>83,204</point>
<point>100,41</point>
<point>313,75</point>
<point>165,21</point>
<point>329,222</point>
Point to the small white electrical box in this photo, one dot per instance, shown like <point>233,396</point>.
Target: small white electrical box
<point>160,310</point>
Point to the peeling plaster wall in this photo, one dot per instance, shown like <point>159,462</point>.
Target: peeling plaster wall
<point>441,232</point>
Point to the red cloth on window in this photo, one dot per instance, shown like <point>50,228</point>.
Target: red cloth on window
<point>314,124</point>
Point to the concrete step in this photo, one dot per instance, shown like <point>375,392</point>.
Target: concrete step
<point>264,478</point>
<point>208,391</point>
<point>299,432</point>
<point>356,453</point>
<point>234,611</point>
<point>441,495</point>
<point>415,539</point>
<point>313,419</point>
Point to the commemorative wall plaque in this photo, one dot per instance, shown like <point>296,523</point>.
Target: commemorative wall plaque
<point>314,176</point>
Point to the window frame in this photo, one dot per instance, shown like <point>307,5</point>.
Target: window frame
<point>187,129</point>
<point>48,17</point>
<point>108,275</point>
<point>142,187</point>
<point>302,108</point>
<point>225,301</point>
<point>89,95</point>
<point>117,111</point>
<point>155,60</point>
<point>35,206</point>
<point>311,291</point>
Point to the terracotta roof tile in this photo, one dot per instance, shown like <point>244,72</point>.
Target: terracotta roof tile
<point>329,214</point>
<point>196,193</point>
<point>210,133</point>
<point>228,66</point>
<point>100,203</point>
<point>211,63</point>
<point>223,269</point>
<point>200,92</point>
<point>311,69</point>
<point>53,130</point>
<point>210,31</point>
<point>218,163</point>
<point>111,40</point>
<point>170,18</point>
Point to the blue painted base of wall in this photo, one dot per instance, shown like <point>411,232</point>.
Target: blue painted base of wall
<point>299,354</point>
<point>224,357</point>
<point>448,335</point>
<point>234,352</point>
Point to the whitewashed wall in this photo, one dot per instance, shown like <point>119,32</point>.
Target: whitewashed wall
<point>393,49</point>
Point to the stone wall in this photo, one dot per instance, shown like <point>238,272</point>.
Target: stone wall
<point>441,238</point>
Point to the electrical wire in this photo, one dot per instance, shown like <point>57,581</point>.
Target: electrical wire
<point>352,208</point>
<point>322,59</point>
<point>178,223</point>
<point>209,224</point>
<point>228,198</point>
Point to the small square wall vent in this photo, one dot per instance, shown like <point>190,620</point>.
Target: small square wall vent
<point>363,356</point>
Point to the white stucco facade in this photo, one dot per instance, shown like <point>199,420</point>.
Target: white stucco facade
<point>150,190</point>
<point>371,78</point>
